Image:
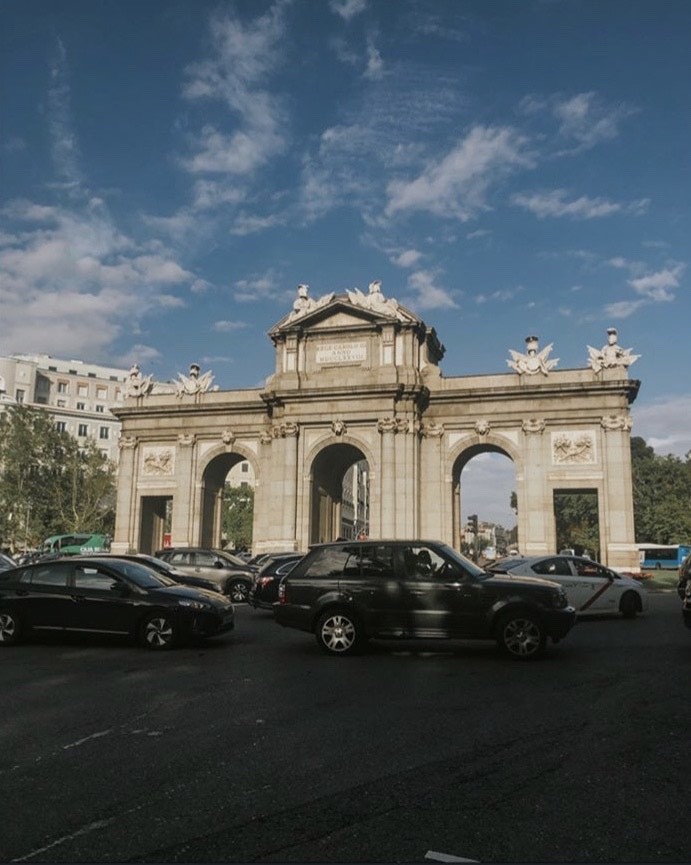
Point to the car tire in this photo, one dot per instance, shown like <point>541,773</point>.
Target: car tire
<point>629,605</point>
<point>339,632</point>
<point>521,636</point>
<point>158,632</point>
<point>238,591</point>
<point>10,628</point>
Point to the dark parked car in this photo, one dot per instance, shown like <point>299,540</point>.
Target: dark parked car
<point>167,570</point>
<point>264,591</point>
<point>111,596</point>
<point>684,576</point>
<point>6,562</point>
<point>346,593</point>
<point>231,574</point>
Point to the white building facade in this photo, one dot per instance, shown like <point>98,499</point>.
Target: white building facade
<point>77,395</point>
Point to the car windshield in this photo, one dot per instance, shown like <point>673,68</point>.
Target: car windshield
<point>235,561</point>
<point>471,568</point>
<point>141,575</point>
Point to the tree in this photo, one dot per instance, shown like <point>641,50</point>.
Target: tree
<point>661,495</point>
<point>577,522</point>
<point>238,516</point>
<point>48,483</point>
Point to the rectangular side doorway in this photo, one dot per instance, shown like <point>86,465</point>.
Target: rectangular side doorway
<point>577,522</point>
<point>155,522</point>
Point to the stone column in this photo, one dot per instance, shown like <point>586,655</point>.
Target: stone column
<point>435,520</point>
<point>290,432</point>
<point>387,428</point>
<point>126,502</point>
<point>533,538</point>
<point>186,528</point>
<point>618,538</point>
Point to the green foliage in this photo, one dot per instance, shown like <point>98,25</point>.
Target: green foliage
<point>577,521</point>
<point>238,516</point>
<point>661,495</point>
<point>48,483</point>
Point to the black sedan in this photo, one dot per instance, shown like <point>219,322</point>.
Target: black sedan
<point>107,595</point>
<point>264,592</point>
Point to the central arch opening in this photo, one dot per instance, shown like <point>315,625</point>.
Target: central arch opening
<point>484,503</point>
<point>339,494</point>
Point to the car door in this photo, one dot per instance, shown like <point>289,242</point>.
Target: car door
<point>371,583</point>
<point>101,601</point>
<point>441,599</point>
<point>44,595</point>
<point>598,588</point>
<point>560,570</point>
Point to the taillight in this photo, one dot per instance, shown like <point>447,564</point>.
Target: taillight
<point>282,599</point>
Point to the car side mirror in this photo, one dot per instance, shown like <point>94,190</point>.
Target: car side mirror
<point>218,565</point>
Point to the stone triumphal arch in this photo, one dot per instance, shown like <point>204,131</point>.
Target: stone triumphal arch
<point>357,378</point>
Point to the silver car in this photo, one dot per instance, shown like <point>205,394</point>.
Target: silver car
<point>590,586</point>
<point>231,574</point>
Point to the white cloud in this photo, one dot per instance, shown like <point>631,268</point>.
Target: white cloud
<point>623,308</point>
<point>258,287</point>
<point>658,286</point>
<point>243,57</point>
<point>247,224</point>
<point>481,232</point>
<point>502,296</point>
<point>347,9</point>
<point>76,283</point>
<point>375,64</point>
<point>457,185</point>
<point>64,147</point>
<point>407,258</point>
<point>428,294</point>
<point>228,326</point>
<point>587,121</point>
<point>554,204</point>
<point>664,424</point>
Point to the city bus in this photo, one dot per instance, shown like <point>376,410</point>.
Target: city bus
<point>76,543</point>
<point>657,556</point>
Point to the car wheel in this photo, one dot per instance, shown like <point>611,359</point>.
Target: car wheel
<point>10,628</point>
<point>628,606</point>
<point>158,632</point>
<point>339,633</point>
<point>239,591</point>
<point>521,636</point>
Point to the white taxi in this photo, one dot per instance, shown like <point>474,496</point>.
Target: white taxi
<point>590,586</point>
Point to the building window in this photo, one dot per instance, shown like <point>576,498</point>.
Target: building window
<point>62,387</point>
<point>80,406</point>
<point>72,371</point>
<point>100,409</point>
<point>53,368</point>
<point>245,467</point>
<point>102,392</point>
<point>83,390</point>
<point>61,403</point>
<point>91,374</point>
<point>83,429</point>
<point>41,400</point>
<point>103,432</point>
<point>61,426</point>
<point>19,395</point>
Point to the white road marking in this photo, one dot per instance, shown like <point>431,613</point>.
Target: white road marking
<point>91,827</point>
<point>86,739</point>
<point>445,857</point>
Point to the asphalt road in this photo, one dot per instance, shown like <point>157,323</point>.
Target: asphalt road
<point>256,747</point>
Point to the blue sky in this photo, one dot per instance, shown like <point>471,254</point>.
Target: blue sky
<point>171,170</point>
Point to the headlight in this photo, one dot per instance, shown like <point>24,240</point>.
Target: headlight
<point>195,605</point>
<point>559,599</point>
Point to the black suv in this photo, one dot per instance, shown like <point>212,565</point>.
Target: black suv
<point>230,574</point>
<point>347,592</point>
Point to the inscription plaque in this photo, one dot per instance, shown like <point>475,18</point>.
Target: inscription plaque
<point>342,352</point>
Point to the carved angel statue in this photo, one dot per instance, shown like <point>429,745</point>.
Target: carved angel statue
<point>193,383</point>
<point>137,384</point>
<point>375,300</point>
<point>303,303</point>
<point>533,361</point>
<point>610,355</point>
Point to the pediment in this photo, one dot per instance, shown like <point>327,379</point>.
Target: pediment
<point>339,311</point>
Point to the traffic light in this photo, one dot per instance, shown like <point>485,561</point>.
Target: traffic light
<point>472,523</point>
